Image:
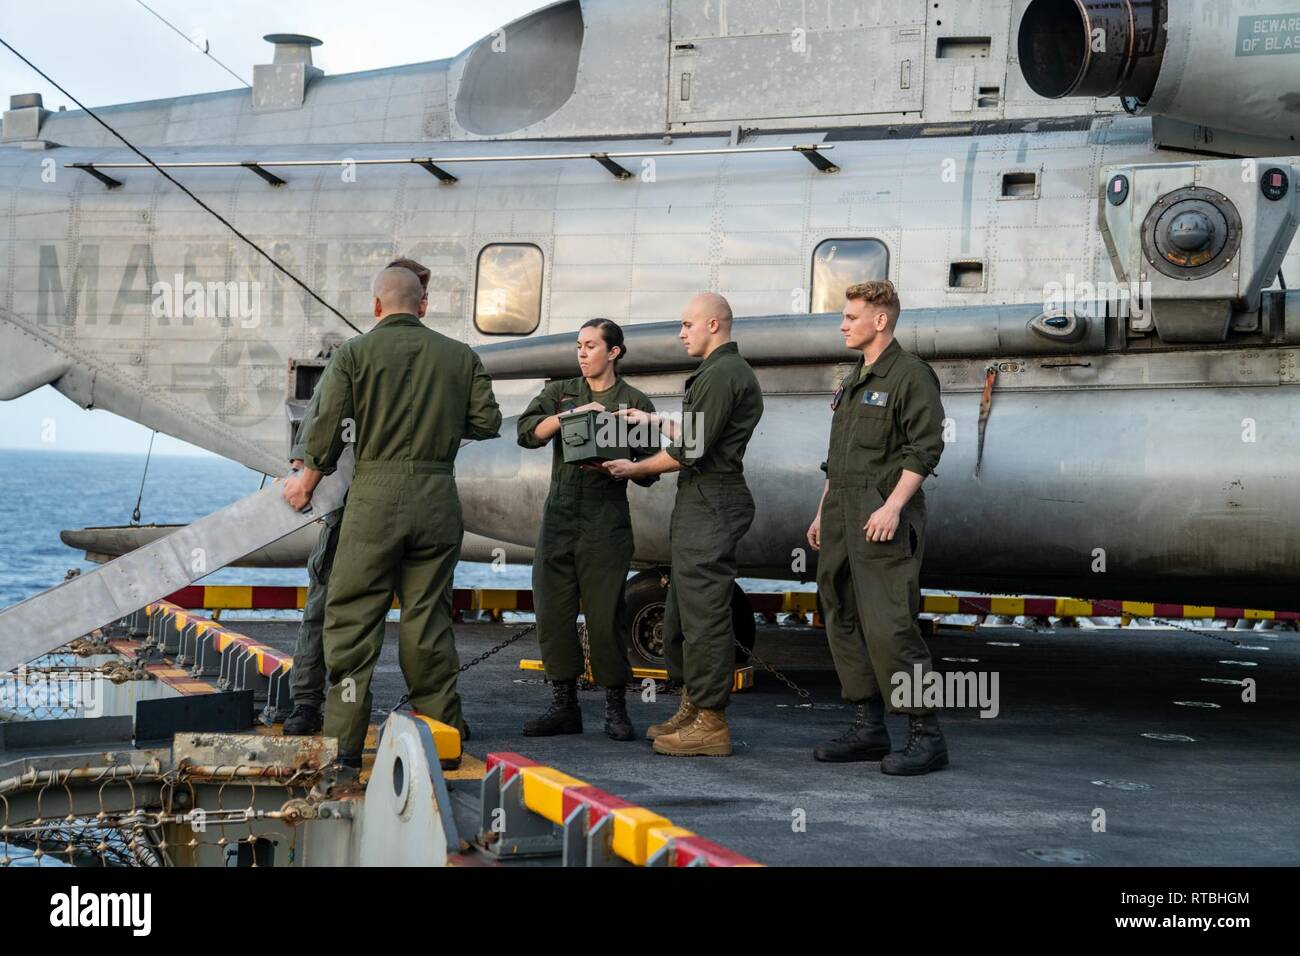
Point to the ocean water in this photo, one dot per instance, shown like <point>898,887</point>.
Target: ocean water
<point>45,492</point>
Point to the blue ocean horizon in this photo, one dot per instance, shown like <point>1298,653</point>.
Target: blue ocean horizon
<point>43,492</point>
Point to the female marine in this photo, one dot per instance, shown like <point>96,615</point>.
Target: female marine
<point>584,548</point>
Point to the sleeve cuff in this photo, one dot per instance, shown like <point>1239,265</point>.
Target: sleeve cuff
<point>526,437</point>
<point>914,464</point>
<point>677,453</point>
<point>314,463</point>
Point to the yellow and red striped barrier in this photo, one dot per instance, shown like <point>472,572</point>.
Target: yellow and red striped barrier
<point>217,597</point>
<point>1071,607</point>
<point>496,600</point>
<point>532,810</point>
<point>210,650</point>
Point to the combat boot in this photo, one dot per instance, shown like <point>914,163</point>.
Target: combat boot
<point>925,750</point>
<point>684,717</point>
<point>303,722</point>
<point>866,739</point>
<point>618,726</point>
<point>707,736</point>
<point>564,716</point>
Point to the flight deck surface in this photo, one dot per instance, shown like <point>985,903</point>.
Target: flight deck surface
<point>1023,788</point>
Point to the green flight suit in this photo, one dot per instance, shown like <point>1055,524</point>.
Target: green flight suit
<point>885,421</point>
<point>712,512</point>
<point>307,677</point>
<point>406,396</point>
<point>584,547</point>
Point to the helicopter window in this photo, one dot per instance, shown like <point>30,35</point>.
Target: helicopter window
<point>963,48</point>
<point>508,300</point>
<point>966,276</point>
<point>1020,184</point>
<point>840,263</point>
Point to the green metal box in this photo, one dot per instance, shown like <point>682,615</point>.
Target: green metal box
<point>594,436</point>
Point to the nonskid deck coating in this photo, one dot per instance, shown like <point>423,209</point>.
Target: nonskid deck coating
<point>1020,790</point>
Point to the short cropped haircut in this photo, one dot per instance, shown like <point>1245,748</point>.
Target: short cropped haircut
<point>880,293</point>
<point>420,271</point>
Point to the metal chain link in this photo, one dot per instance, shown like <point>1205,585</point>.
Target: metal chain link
<point>498,648</point>
<point>807,698</point>
<point>1174,624</point>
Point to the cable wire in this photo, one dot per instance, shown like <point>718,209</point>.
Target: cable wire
<point>190,40</point>
<point>181,186</point>
<point>135,515</point>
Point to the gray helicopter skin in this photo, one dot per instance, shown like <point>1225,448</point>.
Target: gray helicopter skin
<point>1115,460</point>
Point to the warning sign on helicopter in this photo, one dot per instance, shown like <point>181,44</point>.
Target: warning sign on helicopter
<point>1266,35</point>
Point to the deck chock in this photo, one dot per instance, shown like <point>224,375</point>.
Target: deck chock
<point>742,679</point>
<point>692,850</point>
<point>602,829</point>
<point>506,827</point>
<point>237,662</point>
<point>279,698</point>
<point>533,810</point>
<point>444,738</point>
<point>138,622</point>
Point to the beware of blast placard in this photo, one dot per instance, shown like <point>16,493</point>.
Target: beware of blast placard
<point>1265,35</point>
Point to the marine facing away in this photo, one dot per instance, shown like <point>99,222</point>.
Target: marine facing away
<point>307,678</point>
<point>405,396</point>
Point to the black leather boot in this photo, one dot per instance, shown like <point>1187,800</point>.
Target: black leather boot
<point>618,726</point>
<point>303,722</point>
<point>564,716</point>
<point>924,751</point>
<point>866,738</point>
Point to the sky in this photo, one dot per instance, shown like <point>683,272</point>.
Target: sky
<point>146,60</point>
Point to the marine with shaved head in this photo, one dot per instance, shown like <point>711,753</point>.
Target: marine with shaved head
<point>713,510</point>
<point>404,396</point>
<point>307,679</point>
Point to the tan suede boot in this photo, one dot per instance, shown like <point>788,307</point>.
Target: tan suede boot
<point>684,717</point>
<point>707,736</point>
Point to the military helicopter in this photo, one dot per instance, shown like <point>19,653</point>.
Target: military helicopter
<point>1089,209</point>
